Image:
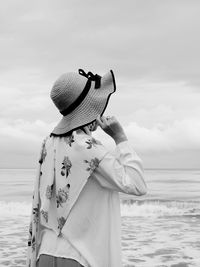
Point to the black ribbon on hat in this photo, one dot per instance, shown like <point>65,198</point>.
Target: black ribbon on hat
<point>96,78</point>
<point>78,101</point>
<point>91,77</point>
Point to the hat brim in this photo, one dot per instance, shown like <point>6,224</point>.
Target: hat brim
<point>94,104</point>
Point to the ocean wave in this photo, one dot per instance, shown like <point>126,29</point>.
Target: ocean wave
<point>145,208</point>
<point>159,208</point>
<point>13,209</point>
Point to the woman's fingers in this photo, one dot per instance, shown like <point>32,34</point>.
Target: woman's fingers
<point>101,121</point>
<point>104,120</point>
<point>87,130</point>
<point>112,127</point>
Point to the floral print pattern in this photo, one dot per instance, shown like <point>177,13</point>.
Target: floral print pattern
<point>49,191</point>
<point>69,140</point>
<point>61,222</point>
<point>92,164</point>
<point>30,234</point>
<point>53,188</point>
<point>92,142</point>
<point>45,215</point>
<point>65,170</point>
<point>33,243</point>
<point>36,214</point>
<point>43,154</point>
<point>62,196</point>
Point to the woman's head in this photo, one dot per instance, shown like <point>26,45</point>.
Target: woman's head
<point>80,98</point>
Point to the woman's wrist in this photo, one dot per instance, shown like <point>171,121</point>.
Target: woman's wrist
<point>120,138</point>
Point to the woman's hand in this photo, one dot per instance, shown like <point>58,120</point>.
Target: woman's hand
<point>112,127</point>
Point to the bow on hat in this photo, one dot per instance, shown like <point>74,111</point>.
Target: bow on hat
<point>91,77</point>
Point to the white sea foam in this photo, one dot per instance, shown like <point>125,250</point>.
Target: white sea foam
<point>135,209</point>
<point>160,209</point>
<point>13,209</point>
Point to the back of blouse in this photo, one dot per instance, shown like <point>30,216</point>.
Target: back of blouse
<point>65,165</point>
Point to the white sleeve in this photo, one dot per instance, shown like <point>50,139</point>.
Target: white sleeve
<point>122,171</point>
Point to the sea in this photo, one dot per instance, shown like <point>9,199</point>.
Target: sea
<point>160,229</point>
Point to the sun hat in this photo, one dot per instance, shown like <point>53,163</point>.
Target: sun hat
<point>80,98</point>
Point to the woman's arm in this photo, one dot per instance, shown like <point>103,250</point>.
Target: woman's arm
<point>122,171</point>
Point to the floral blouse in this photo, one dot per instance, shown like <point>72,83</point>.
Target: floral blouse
<point>65,164</point>
<point>79,170</point>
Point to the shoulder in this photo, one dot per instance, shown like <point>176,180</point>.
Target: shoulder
<point>46,142</point>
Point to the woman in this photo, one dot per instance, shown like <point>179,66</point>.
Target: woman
<point>75,216</point>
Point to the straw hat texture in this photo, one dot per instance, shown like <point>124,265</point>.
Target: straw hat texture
<point>80,98</point>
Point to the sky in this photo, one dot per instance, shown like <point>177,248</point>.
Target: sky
<point>152,46</point>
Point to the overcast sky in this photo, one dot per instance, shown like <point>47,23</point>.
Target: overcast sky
<point>153,49</point>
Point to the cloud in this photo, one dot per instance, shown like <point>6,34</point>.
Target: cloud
<point>149,103</point>
<point>20,140</point>
<point>23,95</point>
<point>180,135</point>
<point>152,46</point>
<point>154,39</point>
<point>23,136</point>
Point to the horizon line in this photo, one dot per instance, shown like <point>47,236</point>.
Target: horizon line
<point>151,168</point>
